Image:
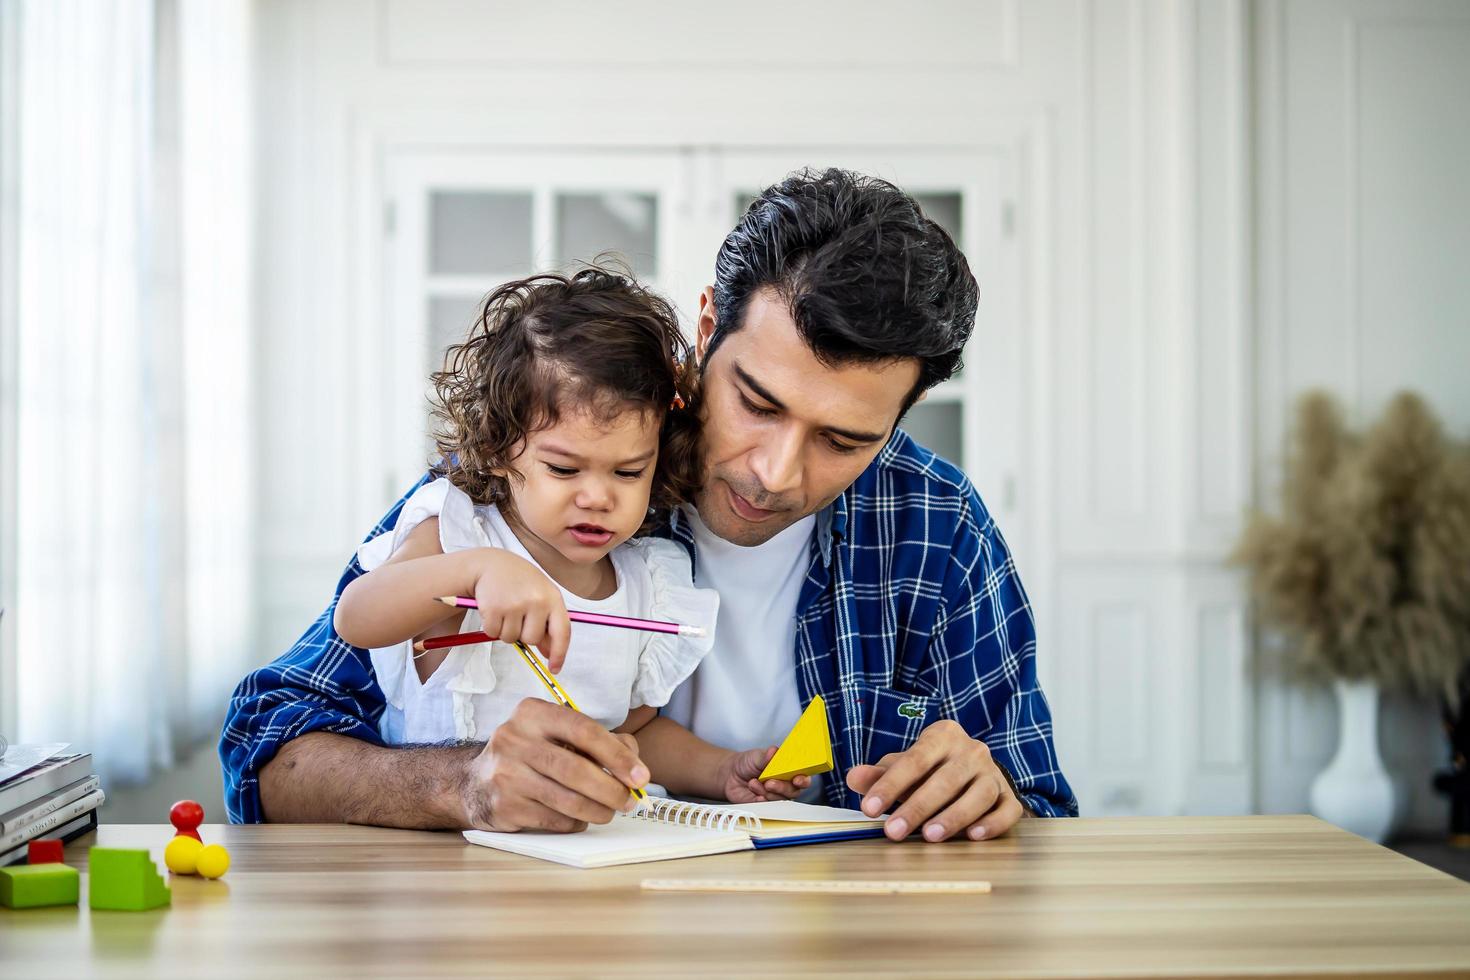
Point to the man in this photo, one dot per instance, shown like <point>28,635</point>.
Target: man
<point>851,564</point>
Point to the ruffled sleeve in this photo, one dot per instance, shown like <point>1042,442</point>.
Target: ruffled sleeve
<point>458,530</point>
<point>668,659</point>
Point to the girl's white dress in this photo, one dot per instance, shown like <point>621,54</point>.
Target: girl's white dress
<point>608,670</point>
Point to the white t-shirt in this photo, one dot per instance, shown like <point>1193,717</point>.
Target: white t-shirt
<point>607,670</point>
<point>744,694</point>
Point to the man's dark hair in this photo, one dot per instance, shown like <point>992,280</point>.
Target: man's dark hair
<point>863,273</point>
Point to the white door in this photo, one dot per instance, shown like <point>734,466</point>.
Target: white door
<point>462,223</point>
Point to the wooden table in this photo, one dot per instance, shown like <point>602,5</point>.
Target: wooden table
<point>1120,897</point>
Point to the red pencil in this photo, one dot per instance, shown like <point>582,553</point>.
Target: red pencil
<point>453,640</point>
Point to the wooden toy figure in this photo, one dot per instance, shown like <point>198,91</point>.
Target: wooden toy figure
<point>186,816</point>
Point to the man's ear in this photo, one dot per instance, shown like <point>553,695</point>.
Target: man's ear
<point>704,329</point>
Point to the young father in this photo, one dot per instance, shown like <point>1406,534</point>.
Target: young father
<point>851,563</point>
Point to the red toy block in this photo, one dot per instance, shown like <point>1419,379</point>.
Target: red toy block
<point>44,852</point>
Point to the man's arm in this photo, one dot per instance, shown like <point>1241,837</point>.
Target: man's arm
<point>326,778</point>
<point>547,768</point>
<point>991,761</point>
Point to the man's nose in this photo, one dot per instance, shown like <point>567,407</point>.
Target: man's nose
<point>778,464</point>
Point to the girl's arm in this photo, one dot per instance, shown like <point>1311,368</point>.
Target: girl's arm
<point>398,601</point>
<point>395,601</point>
<point>635,721</point>
<point>687,765</point>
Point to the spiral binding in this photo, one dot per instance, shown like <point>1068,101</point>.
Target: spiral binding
<point>663,810</point>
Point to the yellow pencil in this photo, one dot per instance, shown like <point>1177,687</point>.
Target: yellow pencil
<point>560,696</point>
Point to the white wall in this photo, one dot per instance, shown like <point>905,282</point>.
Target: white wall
<point>1364,281</point>
<point>1133,123</point>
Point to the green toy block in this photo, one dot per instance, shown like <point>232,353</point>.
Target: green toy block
<point>31,886</point>
<point>123,878</point>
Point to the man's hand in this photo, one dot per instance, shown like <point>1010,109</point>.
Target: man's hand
<point>544,770</point>
<point>739,776</point>
<point>947,783</point>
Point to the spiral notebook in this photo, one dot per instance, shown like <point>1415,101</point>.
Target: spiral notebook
<point>665,829</point>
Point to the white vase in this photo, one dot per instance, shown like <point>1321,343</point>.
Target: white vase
<point>1355,791</point>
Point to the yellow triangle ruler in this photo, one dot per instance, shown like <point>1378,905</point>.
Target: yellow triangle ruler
<point>807,749</point>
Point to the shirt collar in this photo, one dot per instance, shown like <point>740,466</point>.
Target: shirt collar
<point>831,525</point>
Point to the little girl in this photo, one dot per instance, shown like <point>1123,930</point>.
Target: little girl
<point>563,432</point>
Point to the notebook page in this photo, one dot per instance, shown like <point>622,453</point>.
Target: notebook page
<point>626,840</point>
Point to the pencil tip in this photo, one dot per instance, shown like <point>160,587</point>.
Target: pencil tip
<point>692,630</point>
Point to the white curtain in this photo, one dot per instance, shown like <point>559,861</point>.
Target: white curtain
<point>133,484</point>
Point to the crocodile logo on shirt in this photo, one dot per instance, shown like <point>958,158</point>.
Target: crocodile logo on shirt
<point>911,709</point>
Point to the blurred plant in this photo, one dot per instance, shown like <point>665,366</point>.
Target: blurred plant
<point>1366,571</point>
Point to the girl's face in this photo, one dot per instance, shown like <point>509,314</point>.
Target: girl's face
<point>583,484</point>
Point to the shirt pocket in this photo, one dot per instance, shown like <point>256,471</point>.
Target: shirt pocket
<point>892,719</point>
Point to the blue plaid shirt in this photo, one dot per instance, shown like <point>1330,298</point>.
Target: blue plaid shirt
<point>911,612</point>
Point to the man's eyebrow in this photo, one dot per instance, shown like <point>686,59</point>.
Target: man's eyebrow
<point>760,392</point>
<point>756,387</point>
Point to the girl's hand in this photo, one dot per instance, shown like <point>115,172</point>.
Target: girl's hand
<point>518,603</point>
<point>739,776</point>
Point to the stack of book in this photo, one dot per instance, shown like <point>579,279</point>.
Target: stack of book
<point>51,794</point>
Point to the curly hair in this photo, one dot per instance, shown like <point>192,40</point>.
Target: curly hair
<point>597,341</point>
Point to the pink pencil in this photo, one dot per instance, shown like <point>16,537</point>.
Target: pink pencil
<point>597,619</point>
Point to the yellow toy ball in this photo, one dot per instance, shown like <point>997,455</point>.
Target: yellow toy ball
<point>182,855</point>
<point>213,861</point>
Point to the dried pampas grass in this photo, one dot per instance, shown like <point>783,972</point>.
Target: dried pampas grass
<point>1366,571</point>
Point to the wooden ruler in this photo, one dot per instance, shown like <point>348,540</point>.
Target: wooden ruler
<point>821,887</point>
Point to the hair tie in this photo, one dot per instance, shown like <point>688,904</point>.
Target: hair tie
<point>677,403</point>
